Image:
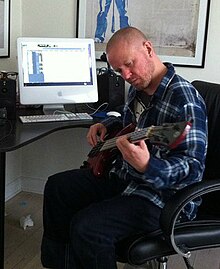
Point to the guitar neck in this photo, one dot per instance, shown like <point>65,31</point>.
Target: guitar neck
<point>133,137</point>
<point>169,135</point>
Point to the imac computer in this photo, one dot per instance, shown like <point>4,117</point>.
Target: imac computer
<point>56,71</point>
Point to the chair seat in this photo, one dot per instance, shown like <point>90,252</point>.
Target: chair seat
<point>199,234</point>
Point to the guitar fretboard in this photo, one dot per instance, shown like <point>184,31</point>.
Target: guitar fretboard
<point>163,135</point>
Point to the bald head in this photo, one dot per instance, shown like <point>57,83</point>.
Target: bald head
<point>130,35</point>
<point>130,53</point>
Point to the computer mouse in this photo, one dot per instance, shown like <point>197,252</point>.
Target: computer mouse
<point>113,114</point>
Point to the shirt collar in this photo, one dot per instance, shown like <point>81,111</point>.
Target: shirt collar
<point>162,88</point>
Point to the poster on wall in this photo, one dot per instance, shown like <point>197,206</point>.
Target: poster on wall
<point>177,29</point>
<point>4,27</point>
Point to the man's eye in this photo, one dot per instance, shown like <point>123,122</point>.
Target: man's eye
<point>128,64</point>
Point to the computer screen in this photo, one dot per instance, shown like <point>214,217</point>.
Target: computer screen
<point>56,71</point>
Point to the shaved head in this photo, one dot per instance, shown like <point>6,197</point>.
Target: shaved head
<point>129,35</point>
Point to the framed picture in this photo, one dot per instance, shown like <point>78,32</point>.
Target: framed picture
<point>4,27</point>
<point>177,29</point>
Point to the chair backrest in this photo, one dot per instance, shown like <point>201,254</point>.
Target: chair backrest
<point>211,94</point>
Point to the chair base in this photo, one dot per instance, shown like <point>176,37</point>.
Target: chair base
<point>187,263</point>
<point>160,263</point>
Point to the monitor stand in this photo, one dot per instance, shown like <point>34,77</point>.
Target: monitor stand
<point>53,109</point>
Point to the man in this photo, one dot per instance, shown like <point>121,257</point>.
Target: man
<point>85,216</point>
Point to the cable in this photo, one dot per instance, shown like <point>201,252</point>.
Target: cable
<point>95,110</point>
<point>99,108</point>
<point>61,112</point>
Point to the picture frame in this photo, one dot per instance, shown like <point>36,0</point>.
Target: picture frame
<point>177,29</point>
<point>4,28</point>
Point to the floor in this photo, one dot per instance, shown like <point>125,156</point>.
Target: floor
<point>22,247</point>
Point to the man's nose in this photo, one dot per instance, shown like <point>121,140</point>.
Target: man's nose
<point>126,74</point>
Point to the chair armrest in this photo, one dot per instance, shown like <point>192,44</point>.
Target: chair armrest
<point>177,202</point>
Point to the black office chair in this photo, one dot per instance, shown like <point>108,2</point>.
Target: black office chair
<point>204,231</point>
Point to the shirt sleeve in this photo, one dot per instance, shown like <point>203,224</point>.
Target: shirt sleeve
<point>180,166</point>
<point>112,124</point>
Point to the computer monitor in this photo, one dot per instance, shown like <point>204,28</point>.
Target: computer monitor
<point>56,71</point>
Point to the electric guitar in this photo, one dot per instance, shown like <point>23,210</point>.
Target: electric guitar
<point>168,135</point>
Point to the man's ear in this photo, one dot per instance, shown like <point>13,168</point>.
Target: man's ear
<point>148,46</point>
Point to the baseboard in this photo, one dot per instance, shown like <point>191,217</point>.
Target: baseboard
<point>12,188</point>
<point>35,185</point>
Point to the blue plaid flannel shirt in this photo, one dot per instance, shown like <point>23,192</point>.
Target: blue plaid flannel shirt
<point>175,100</point>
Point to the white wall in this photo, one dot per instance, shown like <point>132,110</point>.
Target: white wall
<point>55,18</point>
<point>52,18</point>
<point>13,173</point>
<point>63,150</point>
<point>211,71</point>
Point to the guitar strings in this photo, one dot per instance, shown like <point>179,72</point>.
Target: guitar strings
<point>96,149</point>
<point>111,143</point>
<point>134,136</point>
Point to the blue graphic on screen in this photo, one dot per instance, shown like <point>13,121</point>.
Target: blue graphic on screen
<point>37,76</point>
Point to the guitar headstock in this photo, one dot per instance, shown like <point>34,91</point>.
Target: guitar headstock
<point>169,134</point>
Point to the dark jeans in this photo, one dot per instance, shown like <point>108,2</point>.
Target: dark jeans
<point>84,217</point>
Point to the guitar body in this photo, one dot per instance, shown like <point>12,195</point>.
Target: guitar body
<point>101,161</point>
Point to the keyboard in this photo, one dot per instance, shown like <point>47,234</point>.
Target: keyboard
<point>56,117</point>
